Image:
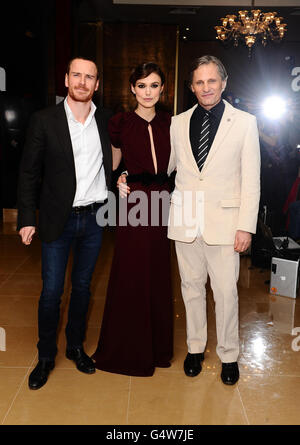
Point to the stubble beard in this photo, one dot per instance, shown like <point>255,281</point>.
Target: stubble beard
<point>77,97</point>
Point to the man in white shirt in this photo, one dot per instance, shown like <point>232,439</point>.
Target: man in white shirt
<point>67,165</point>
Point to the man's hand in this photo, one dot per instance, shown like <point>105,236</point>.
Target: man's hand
<point>124,190</point>
<point>242,241</point>
<point>26,233</point>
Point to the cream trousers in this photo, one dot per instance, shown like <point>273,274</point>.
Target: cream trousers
<point>196,260</point>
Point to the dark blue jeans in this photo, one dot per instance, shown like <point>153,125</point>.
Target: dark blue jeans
<point>84,236</point>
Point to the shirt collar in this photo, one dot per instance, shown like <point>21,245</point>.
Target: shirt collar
<point>70,115</point>
<point>216,111</point>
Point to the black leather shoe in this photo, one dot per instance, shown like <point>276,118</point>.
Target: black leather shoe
<point>192,364</point>
<point>230,373</point>
<point>83,362</point>
<point>39,375</point>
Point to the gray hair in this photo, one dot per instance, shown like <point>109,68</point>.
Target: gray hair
<point>205,60</point>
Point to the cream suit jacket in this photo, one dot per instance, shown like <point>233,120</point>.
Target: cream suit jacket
<point>224,196</point>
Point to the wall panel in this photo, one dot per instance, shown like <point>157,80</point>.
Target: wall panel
<point>127,45</point>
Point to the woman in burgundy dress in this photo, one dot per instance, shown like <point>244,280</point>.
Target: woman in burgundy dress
<point>137,328</point>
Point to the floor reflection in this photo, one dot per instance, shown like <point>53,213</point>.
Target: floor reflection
<point>282,313</point>
<point>268,391</point>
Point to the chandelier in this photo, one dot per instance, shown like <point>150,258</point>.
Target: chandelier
<point>250,27</point>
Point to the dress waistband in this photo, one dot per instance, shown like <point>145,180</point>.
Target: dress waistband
<point>148,178</point>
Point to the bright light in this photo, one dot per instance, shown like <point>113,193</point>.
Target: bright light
<point>274,107</point>
<point>10,115</point>
<point>258,346</point>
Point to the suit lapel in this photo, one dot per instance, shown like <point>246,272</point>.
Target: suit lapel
<point>105,143</point>
<point>100,128</point>
<point>224,127</point>
<point>63,133</point>
<point>64,137</point>
<point>186,129</point>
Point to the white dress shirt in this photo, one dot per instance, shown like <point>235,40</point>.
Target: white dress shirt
<point>88,158</point>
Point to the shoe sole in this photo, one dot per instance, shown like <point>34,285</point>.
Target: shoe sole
<point>230,383</point>
<point>190,375</point>
<point>34,388</point>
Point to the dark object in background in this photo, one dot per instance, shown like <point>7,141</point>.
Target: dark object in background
<point>294,225</point>
<point>263,248</point>
<point>14,115</point>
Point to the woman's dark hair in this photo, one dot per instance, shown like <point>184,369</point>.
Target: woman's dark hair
<point>144,70</point>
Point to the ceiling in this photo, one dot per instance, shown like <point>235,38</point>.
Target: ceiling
<point>238,3</point>
<point>199,19</point>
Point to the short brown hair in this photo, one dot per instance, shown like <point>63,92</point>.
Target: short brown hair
<point>81,58</point>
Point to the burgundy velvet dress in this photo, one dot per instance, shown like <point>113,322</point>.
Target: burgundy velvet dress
<point>137,327</point>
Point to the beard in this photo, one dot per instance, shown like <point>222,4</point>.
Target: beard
<point>80,95</point>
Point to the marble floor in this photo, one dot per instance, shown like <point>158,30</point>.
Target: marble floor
<point>268,392</point>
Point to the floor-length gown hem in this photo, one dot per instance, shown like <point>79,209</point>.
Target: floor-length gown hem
<point>130,373</point>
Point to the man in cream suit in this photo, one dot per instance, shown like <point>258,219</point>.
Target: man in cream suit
<point>215,150</point>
